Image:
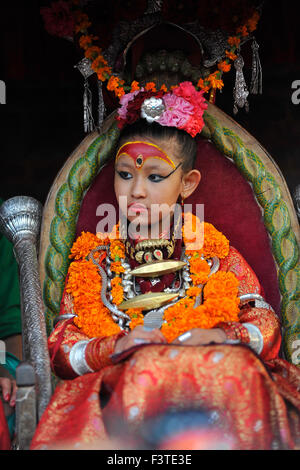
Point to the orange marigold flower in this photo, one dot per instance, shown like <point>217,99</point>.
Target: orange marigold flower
<point>199,269</point>
<point>225,309</point>
<point>85,41</point>
<point>99,63</point>
<point>224,66</point>
<point>204,85</point>
<point>221,284</point>
<point>252,22</point>
<point>164,88</point>
<point>104,73</point>
<point>150,86</point>
<point>113,83</point>
<point>117,267</point>
<point>231,55</point>
<point>134,86</point>
<point>92,52</point>
<point>82,21</point>
<point>243,31</point>
<point>117,290</point>
<point>234,41</point>
<point>83,245</point>
<point>194,291</point>
<point>137,317</point>
<point>215,81</point>
<point>119,92</point>
<point>215,243</point>
<point>199,278</point>
<point>84,283</point>
<point>117,250</point>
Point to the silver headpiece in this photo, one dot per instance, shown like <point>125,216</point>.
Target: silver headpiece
<point>152,109</point>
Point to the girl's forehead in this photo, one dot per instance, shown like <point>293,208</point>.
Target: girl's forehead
<point>141,152</point>
<point>151,163</point>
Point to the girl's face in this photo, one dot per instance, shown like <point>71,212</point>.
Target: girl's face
<point>141,189</point>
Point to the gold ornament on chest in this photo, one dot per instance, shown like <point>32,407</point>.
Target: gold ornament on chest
<point>147,251</point>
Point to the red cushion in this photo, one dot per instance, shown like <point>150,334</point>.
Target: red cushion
<point>229,204</point>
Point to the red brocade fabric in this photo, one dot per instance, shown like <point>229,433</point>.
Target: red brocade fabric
<point>256,399</point>
<point>227,198</point>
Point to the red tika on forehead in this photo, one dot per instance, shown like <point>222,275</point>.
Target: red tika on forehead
<point>140,151</point>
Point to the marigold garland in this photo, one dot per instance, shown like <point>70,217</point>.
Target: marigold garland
<point>220,305</point>
<point>220,292</point>
<point>84,283</point>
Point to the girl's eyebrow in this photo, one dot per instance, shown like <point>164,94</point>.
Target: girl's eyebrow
<point>125,164</point>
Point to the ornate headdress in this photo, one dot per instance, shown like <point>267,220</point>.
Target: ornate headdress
<point>219,35</point>
<point>183,108</point>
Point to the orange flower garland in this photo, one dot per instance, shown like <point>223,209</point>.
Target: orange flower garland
<point>220,292</point>
<point>220,305</point>
<point>214,80</point>
<point>115,84</point>
<point>84,283</point>
<point>80,23</point>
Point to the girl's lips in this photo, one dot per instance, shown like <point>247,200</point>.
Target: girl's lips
<point>135,207</point>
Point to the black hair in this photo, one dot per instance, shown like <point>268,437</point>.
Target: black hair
<point>186,144</point>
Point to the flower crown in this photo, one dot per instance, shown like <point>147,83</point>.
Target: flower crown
<point>183,108</point>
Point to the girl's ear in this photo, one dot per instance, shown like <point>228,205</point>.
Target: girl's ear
<point>190,182</point>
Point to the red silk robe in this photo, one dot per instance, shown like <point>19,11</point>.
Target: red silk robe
<point>256,397</point>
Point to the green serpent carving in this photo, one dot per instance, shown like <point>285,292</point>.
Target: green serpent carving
<point>63,226</point>
<point>278,223</point>
<point>267,190</point>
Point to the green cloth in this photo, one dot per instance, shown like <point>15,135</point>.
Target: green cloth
<point>11,363</point>
<point>10,310</point>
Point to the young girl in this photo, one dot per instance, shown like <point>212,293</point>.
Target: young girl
<point>160,323</point>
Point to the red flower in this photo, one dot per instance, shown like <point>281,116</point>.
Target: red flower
<point>134,106</point>
<point>58,19</point>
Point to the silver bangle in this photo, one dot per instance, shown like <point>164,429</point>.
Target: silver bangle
<point>184,336</point>
<point>77,358</point>
<point>259,301</point>
<point>263,304</point>
<point>256,338</point>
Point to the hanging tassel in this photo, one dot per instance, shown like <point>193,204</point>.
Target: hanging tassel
<point>240,91</point>
<point>256,79</point>
<point>84,67</point>
<point>101,105</point>
<point>88,121</point>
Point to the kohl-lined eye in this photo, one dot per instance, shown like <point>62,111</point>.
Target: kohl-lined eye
<point>125,175</point>
<point>156,178</point>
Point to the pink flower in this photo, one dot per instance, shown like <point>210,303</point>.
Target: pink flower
<point>177,113</point>
<point>58,19</point>
<point>122,112</point>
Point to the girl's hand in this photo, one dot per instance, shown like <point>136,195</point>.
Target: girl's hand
<point>200,336</point>
<point>9,390</point>
<point>139,336</point>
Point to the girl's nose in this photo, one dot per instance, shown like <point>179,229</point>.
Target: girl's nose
<point>138,189</point>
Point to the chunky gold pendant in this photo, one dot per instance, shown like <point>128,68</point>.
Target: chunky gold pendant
<point>148,301</point>
<point>158,268</point>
